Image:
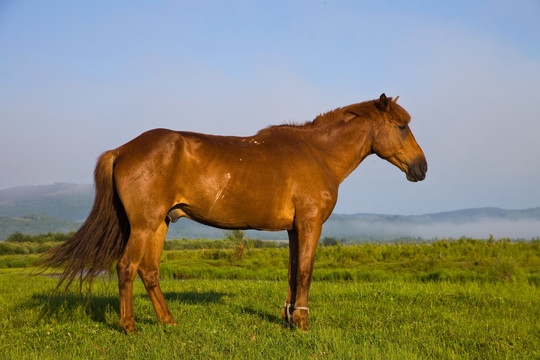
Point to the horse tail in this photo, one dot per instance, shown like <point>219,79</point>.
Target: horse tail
<point>100,241</point>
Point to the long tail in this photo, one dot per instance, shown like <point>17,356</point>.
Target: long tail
<point>100,241</point>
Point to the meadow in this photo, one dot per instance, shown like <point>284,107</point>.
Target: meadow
<point>460,299</point>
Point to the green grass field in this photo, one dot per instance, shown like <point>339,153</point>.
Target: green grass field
<point>448,300</point>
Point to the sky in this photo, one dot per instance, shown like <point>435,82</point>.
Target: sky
<point>79,78</point>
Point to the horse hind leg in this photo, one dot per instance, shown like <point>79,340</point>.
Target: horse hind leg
<point>149,273</point>
<point>141,255</point>
<point>126,268</point>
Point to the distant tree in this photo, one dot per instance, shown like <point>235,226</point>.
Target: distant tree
<point>16,237</point>
<point>330,241</point>
<point>237,237</point>
<point>258,244</point>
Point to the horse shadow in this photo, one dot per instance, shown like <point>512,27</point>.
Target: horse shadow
<point>194,297</point>
<point>59,306</point>
<point>98,307</point>
<point>65,305</point>
<point>263,315</point>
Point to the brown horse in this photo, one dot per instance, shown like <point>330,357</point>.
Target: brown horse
<point>283,178</point>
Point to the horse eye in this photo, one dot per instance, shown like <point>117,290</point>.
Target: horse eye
<point>402,127</point>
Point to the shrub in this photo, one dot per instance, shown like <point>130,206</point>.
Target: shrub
<point>330,241</point>
<point>503,269</point>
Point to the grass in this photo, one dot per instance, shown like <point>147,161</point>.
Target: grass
<point>240,319</point>
<point>455,261</point>
<point>469,300</point>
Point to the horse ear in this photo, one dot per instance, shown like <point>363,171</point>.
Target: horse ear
<point>395,100</point>
<point>349,116</point>
<point>383,104</point>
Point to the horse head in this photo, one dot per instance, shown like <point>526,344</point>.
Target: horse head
<point>394,141</point>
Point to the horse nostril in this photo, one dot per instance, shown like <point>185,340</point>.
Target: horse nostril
<point>423,167</point>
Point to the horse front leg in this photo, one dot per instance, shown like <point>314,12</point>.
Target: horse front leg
<point>309,231</point>
<point>286,313</point>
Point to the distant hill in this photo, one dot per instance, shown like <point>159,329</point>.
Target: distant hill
<point>61,200</point>
<point>477,223</point>
<point>61,208</point>
<point>35,224</point>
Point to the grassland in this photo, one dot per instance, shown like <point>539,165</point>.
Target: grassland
<point>463,299</point>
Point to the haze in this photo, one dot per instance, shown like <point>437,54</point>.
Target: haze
<point>79,78</point>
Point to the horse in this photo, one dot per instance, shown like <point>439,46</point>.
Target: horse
<point>285,177</point>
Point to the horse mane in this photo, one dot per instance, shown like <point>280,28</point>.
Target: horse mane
<point>366,110</point>
<point>323,121</point>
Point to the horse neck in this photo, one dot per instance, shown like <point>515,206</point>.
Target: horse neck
<point>345,145</point>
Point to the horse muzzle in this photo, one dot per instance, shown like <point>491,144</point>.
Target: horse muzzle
<point>417,171</point>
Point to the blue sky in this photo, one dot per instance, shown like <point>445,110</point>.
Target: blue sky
<point>79,78</point>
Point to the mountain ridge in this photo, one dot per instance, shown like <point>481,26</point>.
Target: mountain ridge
<point>61,207</point>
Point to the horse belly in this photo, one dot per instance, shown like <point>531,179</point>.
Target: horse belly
<point>230,205</point>
<point>245,217</point>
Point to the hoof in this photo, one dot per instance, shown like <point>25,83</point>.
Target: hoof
<point>284,316</point>
<point>300,319</point>
<point>286,313</point>
<point>129,328</point>
<point>170,322</point>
